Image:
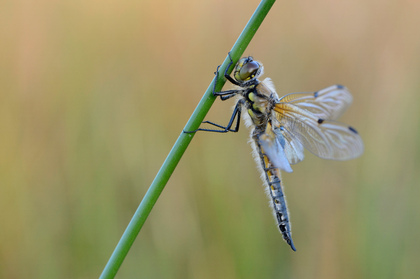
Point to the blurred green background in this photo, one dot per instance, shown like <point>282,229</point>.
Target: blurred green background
<point>93,94</point>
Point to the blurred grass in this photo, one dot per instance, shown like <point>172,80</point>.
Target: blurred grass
<point>93,95</point>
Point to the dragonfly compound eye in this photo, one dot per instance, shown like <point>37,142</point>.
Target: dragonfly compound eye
<point>248,71</point>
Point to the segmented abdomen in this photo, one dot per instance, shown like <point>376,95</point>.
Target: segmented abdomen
<point>272,178</point>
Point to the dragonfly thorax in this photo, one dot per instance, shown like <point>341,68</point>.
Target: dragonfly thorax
<point>258,107</point>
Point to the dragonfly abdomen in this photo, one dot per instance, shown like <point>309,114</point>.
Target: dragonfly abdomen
<point>273,181</point>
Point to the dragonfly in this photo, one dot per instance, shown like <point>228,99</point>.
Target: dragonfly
<point>281,128</point>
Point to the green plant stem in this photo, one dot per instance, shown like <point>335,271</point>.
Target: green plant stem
<point>181,145</point>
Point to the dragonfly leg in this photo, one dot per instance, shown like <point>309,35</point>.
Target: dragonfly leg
<point>235,115</point>
<point>224,95</point>
<point>227,76</point>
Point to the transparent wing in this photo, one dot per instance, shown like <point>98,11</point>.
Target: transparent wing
<point>324,138</point>
<point>293,149</point>
<point>328,103</point>
<point>273,146</point>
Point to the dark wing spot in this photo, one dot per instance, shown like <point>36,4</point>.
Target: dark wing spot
<point>353,130</point>
<point>320,120</point>
<point>339,86</point>
<point>316,94</point>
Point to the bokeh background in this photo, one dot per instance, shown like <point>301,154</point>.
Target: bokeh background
<point>93,94</point>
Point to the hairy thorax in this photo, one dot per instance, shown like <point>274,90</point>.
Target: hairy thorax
<point>259,101</point>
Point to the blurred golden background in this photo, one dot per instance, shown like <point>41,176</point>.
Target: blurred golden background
<point>93,94</point>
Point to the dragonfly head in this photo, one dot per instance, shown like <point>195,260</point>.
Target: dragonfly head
<point>247,70</point>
